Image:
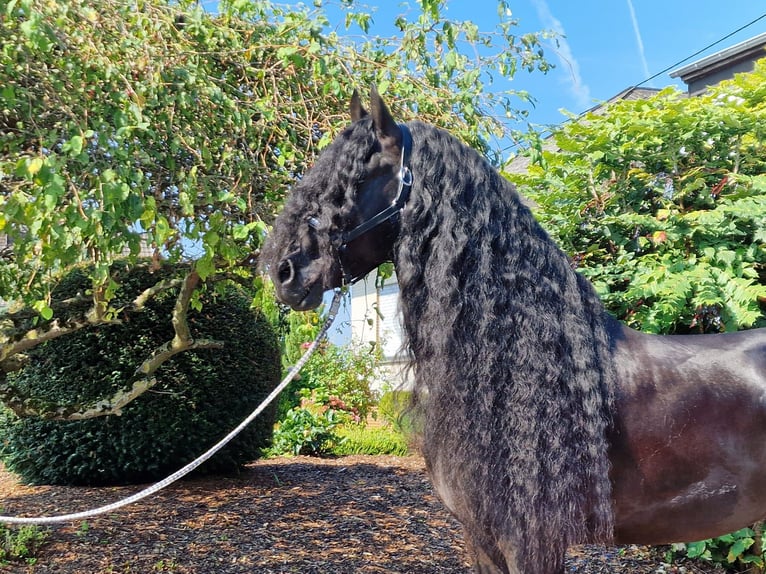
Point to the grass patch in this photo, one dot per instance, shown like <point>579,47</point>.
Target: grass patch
<point>360,439</point>
<point>20,544</point>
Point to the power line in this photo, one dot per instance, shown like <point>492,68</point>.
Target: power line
<point>698,52</point>
<point>519,144</point>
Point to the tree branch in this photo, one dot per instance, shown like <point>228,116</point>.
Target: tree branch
<point>33,337</point>
<point>15,339</point>
<point>27,406</point>
<point>143,378</point>
<point>140,301</point>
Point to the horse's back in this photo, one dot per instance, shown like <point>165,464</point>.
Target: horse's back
<point>688,444</point>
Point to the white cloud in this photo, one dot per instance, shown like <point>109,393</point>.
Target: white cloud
<point>577,88</point>
<point>639,41</point>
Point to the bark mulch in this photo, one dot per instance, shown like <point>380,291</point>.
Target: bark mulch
<point>359,514</point>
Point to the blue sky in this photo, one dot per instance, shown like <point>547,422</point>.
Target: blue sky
<point>605,45</point>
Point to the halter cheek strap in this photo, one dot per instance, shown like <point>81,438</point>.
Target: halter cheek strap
<point>402,194</point>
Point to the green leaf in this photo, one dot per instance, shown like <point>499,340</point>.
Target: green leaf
<point>752,559</point>
<point>738,548</point>
<point>74,146</point>
<point>696,549</point>
<point>46,313</point>
<point>241,231</point>
<point>8,94</point>
<point>50,198</point>
<point>212,238</point>
<point>162,229</point>
<point>34,166</point>
<point>205,266</point>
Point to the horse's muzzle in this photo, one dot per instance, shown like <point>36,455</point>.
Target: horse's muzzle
<point>293,289</point>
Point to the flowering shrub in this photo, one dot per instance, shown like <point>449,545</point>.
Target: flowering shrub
<point>306,431</point>
<point>339,377</point>
<point>333,389</point>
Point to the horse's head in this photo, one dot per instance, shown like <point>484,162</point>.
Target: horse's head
<point>342,217</point>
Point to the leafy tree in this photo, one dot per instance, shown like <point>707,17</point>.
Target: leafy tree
<point>662,204</point>
<point>154,124</point>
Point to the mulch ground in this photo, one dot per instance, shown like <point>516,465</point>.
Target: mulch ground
<point>359,514</point>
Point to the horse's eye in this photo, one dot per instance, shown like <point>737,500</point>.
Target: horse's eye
<point>313,222</point>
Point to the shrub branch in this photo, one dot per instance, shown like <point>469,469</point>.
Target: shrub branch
<point>12,358</point>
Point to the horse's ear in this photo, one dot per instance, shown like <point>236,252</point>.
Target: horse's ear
<point>387,130</point>
<point>357,111</point>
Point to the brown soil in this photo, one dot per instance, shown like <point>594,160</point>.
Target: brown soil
<point>358,514</point>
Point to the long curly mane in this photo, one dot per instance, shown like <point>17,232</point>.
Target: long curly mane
<point>511,356</point>
<point>510,347</point>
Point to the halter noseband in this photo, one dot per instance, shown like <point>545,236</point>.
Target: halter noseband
<point>340,243</point>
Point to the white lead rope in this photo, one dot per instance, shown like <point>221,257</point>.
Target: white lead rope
<point>334,306</point>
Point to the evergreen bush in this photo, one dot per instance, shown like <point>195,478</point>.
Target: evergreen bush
<point>199,397</point>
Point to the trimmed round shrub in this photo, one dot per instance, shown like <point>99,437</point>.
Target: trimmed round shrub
<point>199,397</point>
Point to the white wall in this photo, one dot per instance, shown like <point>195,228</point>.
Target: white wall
<point>375,318</point>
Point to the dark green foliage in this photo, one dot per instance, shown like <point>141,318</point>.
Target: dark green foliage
<point>200,396</point>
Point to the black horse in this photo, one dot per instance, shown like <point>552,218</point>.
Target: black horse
<point>546,422</point>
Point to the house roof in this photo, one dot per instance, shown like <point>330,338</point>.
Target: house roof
<point>631,93</point>
<point>750,49</point>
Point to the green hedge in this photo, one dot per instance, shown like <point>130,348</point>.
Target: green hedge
<point>359,439</point>
<point>200,395</point>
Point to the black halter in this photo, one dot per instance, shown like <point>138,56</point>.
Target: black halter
<point>341,241</point>
<point>402,194</point>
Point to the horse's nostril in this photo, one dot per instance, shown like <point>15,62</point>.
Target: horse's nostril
<point>285,272</point>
